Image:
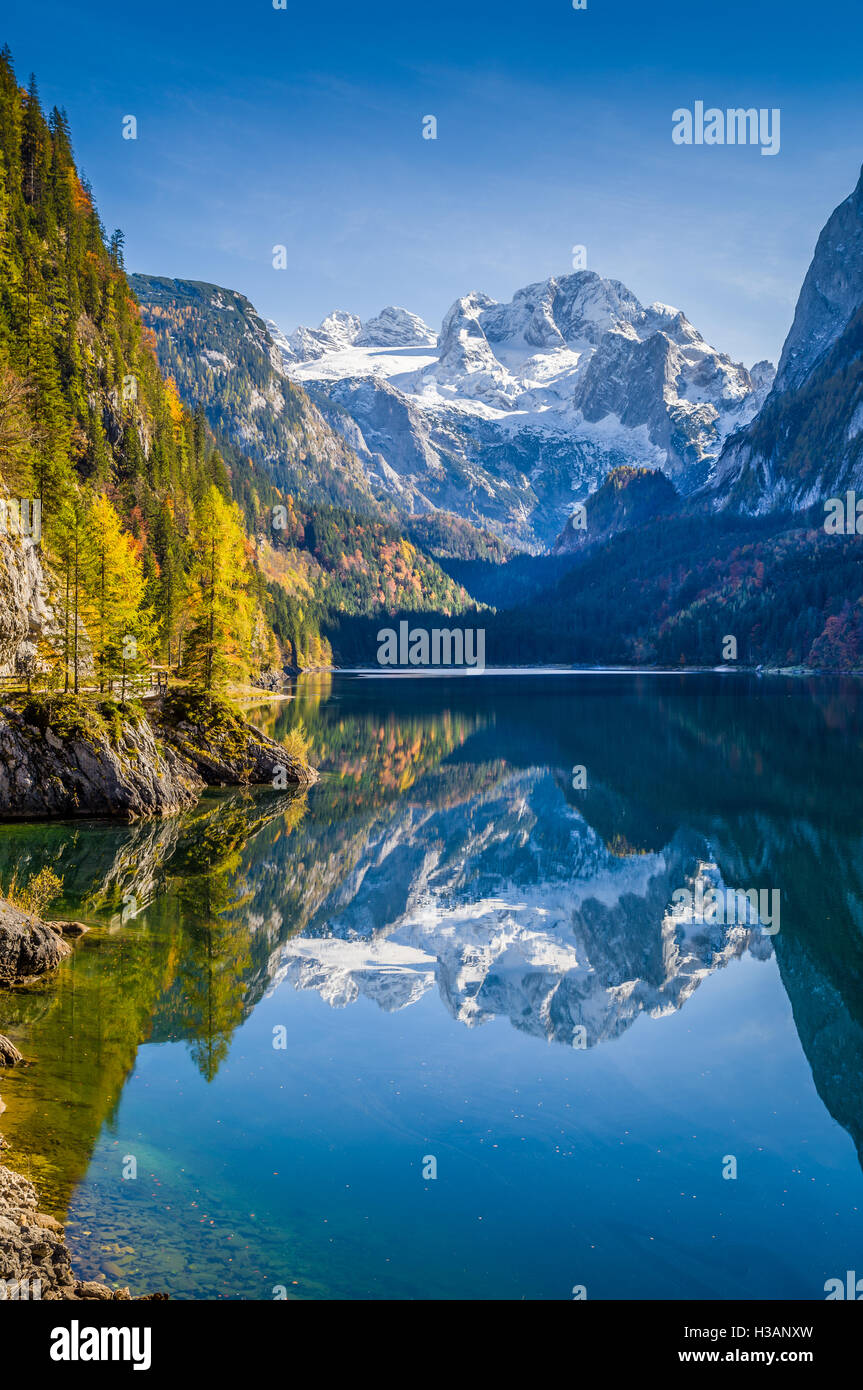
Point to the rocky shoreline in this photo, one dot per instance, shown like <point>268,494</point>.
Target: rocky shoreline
<point>64,755</point>
<point>29,947</point>
<point>35,1261</point>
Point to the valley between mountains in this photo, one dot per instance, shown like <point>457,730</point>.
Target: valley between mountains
<point>614,487</point>
<point>581,474</point>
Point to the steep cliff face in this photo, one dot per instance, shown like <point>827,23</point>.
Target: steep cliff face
<point>831,294</point>
<point>806,443</point>
<point>24,612</point>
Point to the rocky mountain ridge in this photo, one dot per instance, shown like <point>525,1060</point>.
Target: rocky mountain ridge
<point>521,409</point>
<point>221,355</point>
<point>806,443</point>
<point>392,327</point>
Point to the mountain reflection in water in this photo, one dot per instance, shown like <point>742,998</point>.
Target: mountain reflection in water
<point>447,855</point>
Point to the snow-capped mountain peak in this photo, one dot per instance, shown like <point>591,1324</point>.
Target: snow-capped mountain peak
<point>395,327</point>
<point>338,330</point>
<point>519,409</point>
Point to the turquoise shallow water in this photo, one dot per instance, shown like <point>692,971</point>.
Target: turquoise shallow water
<point>469,960</point>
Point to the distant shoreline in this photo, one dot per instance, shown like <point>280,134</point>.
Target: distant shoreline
<point>413,671</point>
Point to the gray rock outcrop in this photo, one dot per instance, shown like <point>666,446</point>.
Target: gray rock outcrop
<point>65,757</point>
<point>85,771</point>
<point>28,946</point>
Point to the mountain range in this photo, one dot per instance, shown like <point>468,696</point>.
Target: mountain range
<point>507,417</point>
<point>574,377</point>
<point>679,494</point>
<point>516,411</point>
<point>513,413</point>
<point>435,472</point>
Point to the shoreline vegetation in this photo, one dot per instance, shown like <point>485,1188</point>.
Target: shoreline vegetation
<point>35,1261</point>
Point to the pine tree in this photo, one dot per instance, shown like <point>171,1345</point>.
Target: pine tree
<point>18,435</point>
<point>167,585</point>
<point>71,546</point>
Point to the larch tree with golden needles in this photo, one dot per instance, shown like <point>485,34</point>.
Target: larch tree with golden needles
<point>220,605</point>
<point>121,633</point>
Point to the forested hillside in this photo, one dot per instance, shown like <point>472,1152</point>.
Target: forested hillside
<point>670,591</point>
<point>161,543</point>
<point>144,551</point>
<point>326,563</point>
<point>218,349</point>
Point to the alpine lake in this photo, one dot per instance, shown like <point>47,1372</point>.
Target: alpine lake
<point>435,1030</point>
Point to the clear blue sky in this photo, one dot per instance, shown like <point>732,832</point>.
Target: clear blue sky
<point>302,126</point>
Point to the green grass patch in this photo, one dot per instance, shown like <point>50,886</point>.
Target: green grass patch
<point>79,716</point>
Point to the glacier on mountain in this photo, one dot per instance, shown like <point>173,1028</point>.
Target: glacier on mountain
<point>520,409</point>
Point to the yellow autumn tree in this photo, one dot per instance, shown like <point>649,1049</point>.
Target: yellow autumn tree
<point>220,605</point>
<point>175,405</point>
<point>120,630</point>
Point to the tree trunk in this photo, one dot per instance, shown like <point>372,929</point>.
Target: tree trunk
<point>75,634</point>
<point>66,634</point>
<point>102,634</point>
<point>212,613</point>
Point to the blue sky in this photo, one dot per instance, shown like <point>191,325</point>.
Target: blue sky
<point>303,127</point>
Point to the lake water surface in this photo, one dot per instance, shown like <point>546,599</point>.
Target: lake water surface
<point>448,951</point>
